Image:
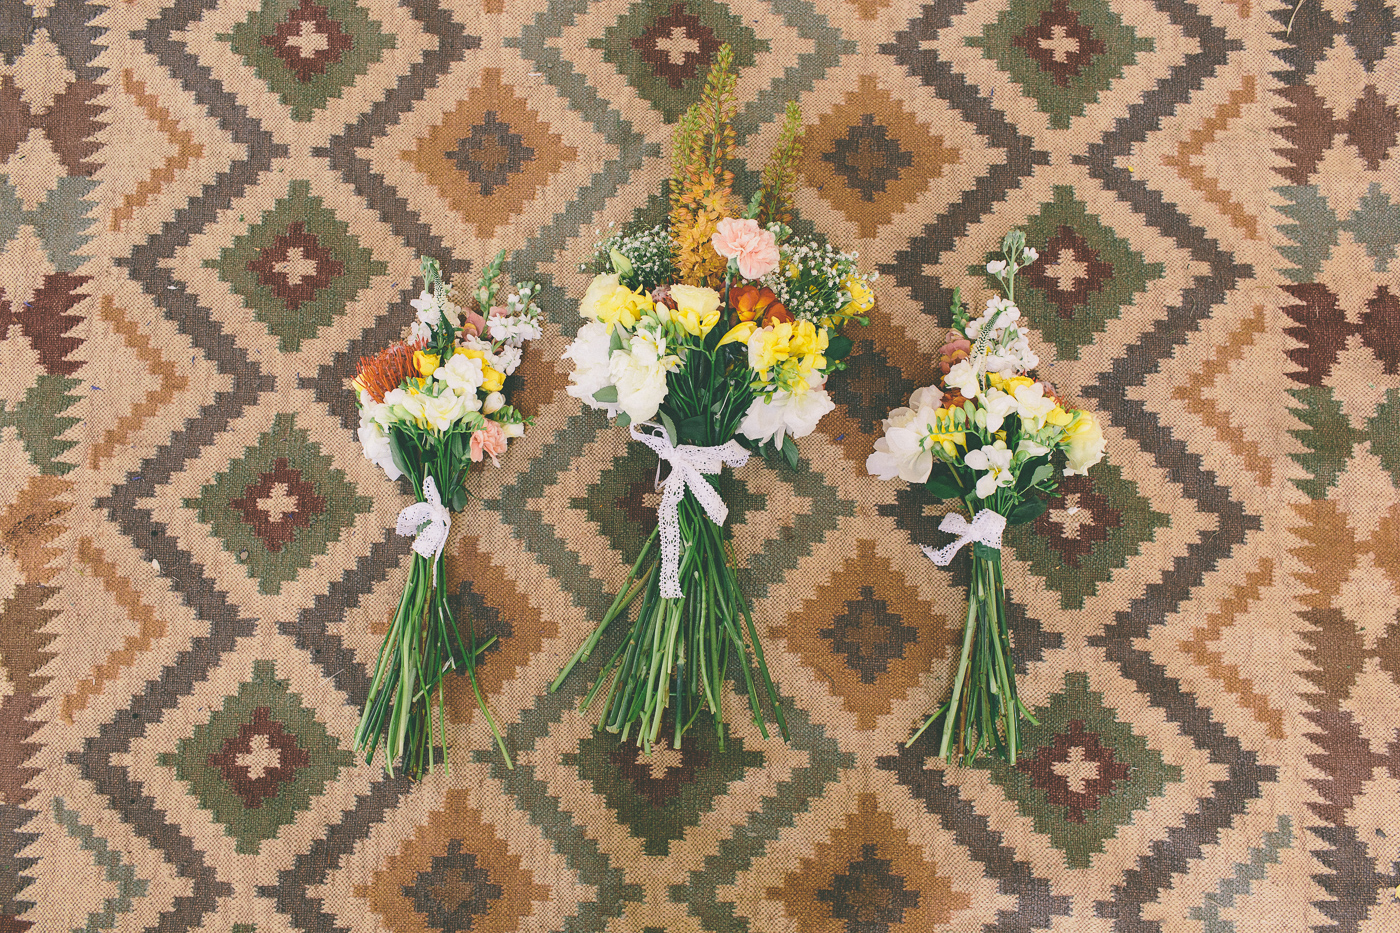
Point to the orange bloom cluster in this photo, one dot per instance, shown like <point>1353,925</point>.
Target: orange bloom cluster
<point>752,303</point>
<point>383,373</point>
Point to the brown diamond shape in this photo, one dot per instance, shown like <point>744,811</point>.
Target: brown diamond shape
<point>659,789</point>
<point>236,759</point>
<point>872,145</point>
<point>308,246</point>
<point>289,41</point>
<point>276,532</point>
<point>869,682</point>
<point>1062,290</point>
<point>1073,536</point>
<point>1059,43</point>
<point>676,31</point>
<point>490,155</point>
<point>1055,769</point>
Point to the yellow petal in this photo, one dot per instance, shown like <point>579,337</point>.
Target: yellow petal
<point>739,333</point>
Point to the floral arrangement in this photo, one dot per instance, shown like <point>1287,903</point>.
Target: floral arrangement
<point>430,408</point>
<point>711,336</point>
<point>992,437</point>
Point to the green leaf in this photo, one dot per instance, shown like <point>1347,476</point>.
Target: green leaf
<point>400,454</point>
<point>623,419</point>
<point>607,395</point>
<point>1027,510</point>
<point>615,341</point>
<point>692,430</point>
<point>670,427</point>
<point>942,488</point>
<point>1033,471</point>
<point>790,451</point>
<point>459,499</point>
<point>839,347</point>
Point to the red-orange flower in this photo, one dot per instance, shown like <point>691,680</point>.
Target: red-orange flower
<point>750,303</point>
<point>385,372</point>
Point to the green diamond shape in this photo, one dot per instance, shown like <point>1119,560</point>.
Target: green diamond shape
<point>616,501</point>
<point>664,49</point>
<point>309,51</point>
<point>1082,773</point>
<point>1063,53</point>
<point>658,808</point>
<point>314,503</point>
<point>1084,277</point>
<point>1074,554</point>
<point>297,267</point>
<point>259,760</point>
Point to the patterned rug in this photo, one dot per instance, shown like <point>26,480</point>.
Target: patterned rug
<point>208,211</point>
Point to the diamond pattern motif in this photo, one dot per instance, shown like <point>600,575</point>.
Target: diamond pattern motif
<point>208,211</point>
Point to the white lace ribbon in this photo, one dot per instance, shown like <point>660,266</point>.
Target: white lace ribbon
<point>986,529</point>
<point>429,520</point>
<point>689,467</point>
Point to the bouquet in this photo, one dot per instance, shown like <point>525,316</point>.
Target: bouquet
<point>993,437</point>
<point>430,407</point>
<point>711,336</point>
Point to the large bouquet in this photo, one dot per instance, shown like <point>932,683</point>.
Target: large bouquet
<point>430,407</point>
<point>711,336</point>
<point>991,437</point>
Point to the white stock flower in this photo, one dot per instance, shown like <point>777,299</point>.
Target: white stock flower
<point>996,267</point>
<point>590,351</point>
<point>428,311</point>
<point>996,461</point>
<point>1030,255</point>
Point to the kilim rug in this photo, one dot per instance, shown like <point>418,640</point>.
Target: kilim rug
<point>198,563</point>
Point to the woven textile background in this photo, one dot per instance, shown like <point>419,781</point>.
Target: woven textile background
<point>210,210</point>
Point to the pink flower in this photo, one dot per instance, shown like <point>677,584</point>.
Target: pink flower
<point>744,240</point>
<point>489,440</point>
<point>473,322</point>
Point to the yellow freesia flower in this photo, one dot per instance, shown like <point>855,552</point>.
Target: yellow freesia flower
<point>739,333</point>
<point>943,433</point>
<point>1058,417</point>
<point>609,301</point>
<point>697,308</point>
<point>492,379</point>
<point>769,346</point>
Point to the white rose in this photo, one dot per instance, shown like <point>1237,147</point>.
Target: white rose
<point>590,352</point>
<point>377,448</point>
<point>462,374</point>
<point>640,377</point>
<point>442,411</point>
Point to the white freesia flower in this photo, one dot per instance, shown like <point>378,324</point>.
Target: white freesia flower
<point>462,374</point>
<point>1033,406</point>
<point>493,403</point>
<point>377,450</point>
<point>513,430</point>
<point>590,352</point>
<point>793,413</point>
<point>443,411</point>
<point>996,462</point>
<point>1031,448</point>
<point>998,405</point>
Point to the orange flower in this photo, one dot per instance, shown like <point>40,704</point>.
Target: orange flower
<point>751,303</point>
<point>385,372</point>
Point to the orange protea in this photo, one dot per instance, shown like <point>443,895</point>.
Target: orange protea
<point>957,348</point>
<point>381,374</point>
<point>751,303</point>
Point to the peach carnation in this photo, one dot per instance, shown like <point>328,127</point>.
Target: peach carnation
<point>743,239</point>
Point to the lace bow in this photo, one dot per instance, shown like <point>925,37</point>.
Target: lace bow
<point>986,529</point>
<point>429,520</point>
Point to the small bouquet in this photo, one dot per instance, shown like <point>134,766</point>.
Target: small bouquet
<point>711,336</point>
<point>993,437</point>
<point>430,407</point>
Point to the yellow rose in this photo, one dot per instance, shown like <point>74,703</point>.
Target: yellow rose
<point>1084,444</point>
<point>697,308</point>
<point>491,379</point>
<point>425,363</point>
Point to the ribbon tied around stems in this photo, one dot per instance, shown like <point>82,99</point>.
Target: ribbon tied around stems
<point>689,467</point>
<point>429,521</point>
<point>985,528</point>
